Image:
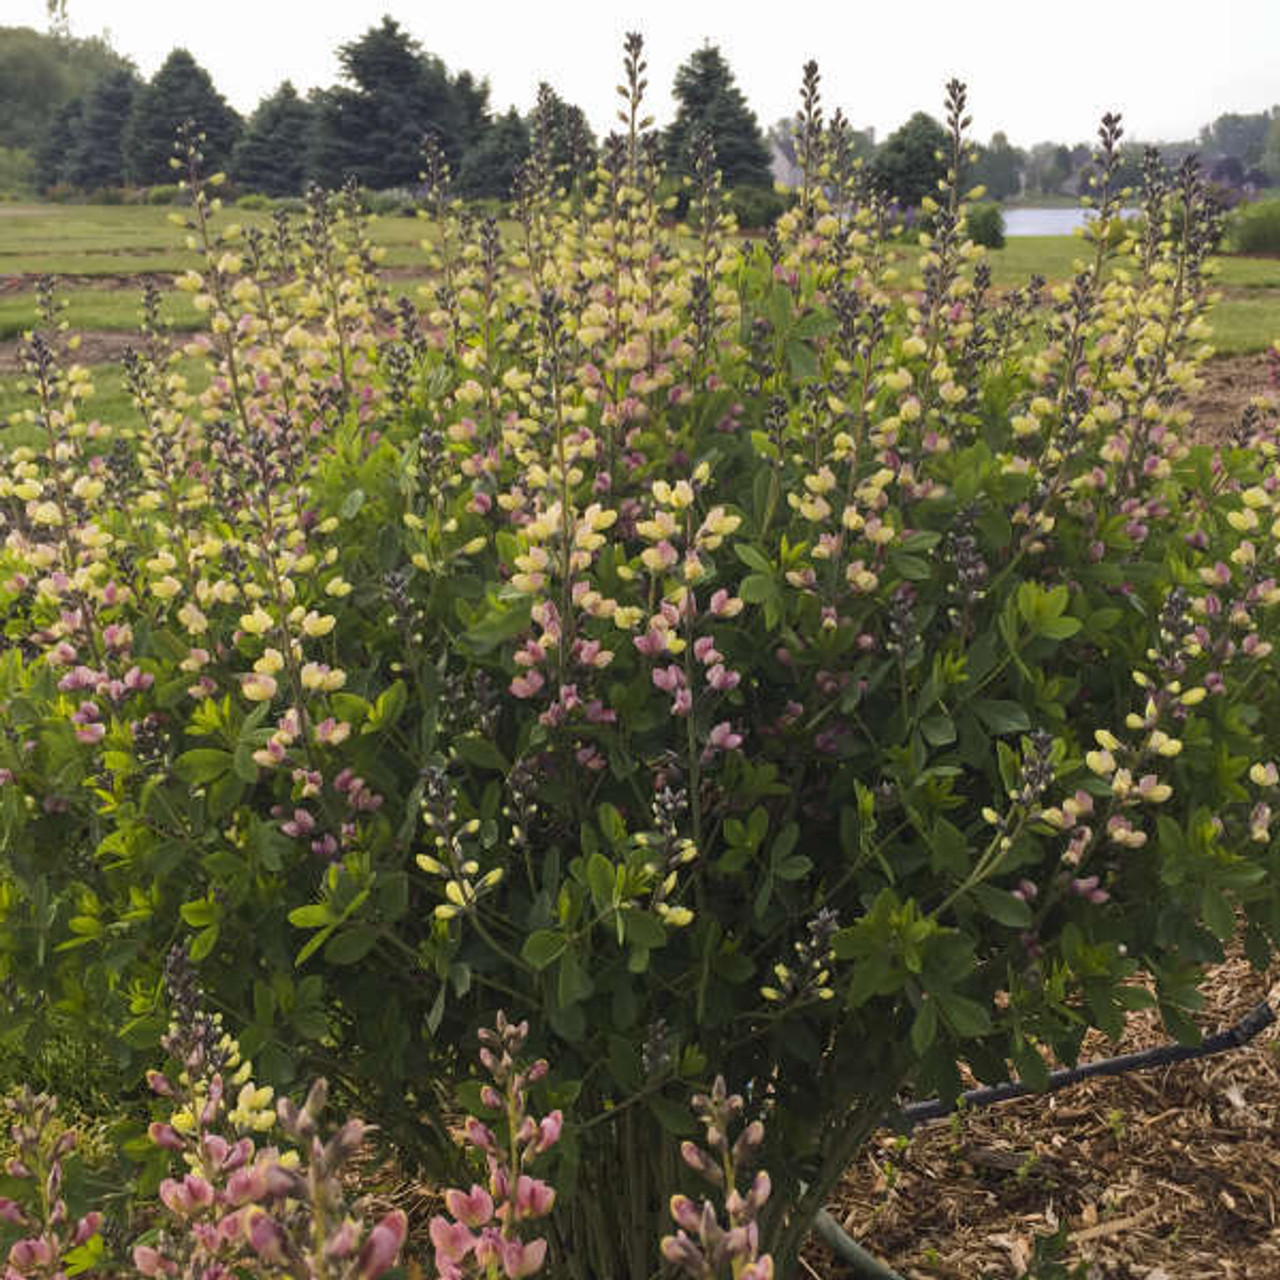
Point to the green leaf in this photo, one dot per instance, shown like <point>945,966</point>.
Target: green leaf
<point>480,752</point>
<point>756,588</point>
<point>388,708</point>
<point>199,912</point>
<point>752,557</point>
<point>802,359</point>
<point>351,945</point>
<point>675,1118</point>
<point>967,1018</point>
<point>312,916</point>
<point>500,626</point>
<point>949,850</point>
<point>939,730</point>
<point>243,763</point>
<point>542,946</point>
<point>1002,907</point>
<point>600,878</point>
<point>204,942</point>
<point>351,504</point>
<point>911,568</point>
<point>313,944</point>
<point>643,929</point>
<point>202,765</point>
<point>924,1029</point>
<point>1218,915</point>
<point>1058,628</point>
<point>999,715</point>
<point>574,985</point>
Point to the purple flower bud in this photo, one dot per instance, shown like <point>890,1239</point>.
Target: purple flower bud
<point>685,1213</point>
<point>681,1252</point>
<point>11,1211</point>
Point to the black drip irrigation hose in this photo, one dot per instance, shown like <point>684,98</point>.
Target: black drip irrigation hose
<point>1236,1036</point>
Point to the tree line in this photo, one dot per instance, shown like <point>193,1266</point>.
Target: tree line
<point>74,114</point>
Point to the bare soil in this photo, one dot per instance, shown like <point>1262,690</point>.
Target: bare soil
<point>97,346</point>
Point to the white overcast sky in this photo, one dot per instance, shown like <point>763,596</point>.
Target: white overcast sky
<point>1036,70</point>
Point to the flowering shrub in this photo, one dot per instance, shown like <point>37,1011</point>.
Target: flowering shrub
<point>796,663</point>
<point>236,1208</point>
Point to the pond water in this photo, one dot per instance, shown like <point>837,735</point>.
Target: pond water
<point>1044,222</point>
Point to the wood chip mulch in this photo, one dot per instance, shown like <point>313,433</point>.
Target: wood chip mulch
<point>1169,1174</point>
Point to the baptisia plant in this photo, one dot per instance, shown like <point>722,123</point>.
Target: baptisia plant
<point>800,662</point>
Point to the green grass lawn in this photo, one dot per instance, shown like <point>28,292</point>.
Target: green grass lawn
<point>110,401</point>
<point>119,309</point>
<point>136,240</point>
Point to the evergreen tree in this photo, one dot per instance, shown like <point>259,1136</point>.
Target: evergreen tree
<point>180,91</point>
<point>709,101</point>
<point>97,152</point>
<point>57,147</point>
<point>911,161</point>
<point>372,127</point>
<point>489,168</point>
<point>271,156</point>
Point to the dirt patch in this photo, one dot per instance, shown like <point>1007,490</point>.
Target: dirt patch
<point>1230,383</point>
<point>97,346</point>
<point>25,282</point>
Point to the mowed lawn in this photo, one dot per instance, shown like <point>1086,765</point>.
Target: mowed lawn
<point>108,251</point>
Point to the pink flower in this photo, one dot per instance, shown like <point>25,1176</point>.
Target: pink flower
<point>151,1262</point>
<point>527,685</point>
<point>668,678</point>
<point>652,643</point>
<point>722,738</point>
<point>474,1208</point>
<point>534,1198</point>
<point>682,703</point>
<point>549,1130</point>
<point>704,649</point>
<point>520,1259</point>
<point>722,679</point>
<point>452,1240</point>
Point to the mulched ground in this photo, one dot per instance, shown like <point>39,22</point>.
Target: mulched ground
<point>1161,1175</point>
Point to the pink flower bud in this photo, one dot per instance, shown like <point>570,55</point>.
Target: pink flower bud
<point>86,1227</point>
<point>266,1237</point>
<point>549,1130</point>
